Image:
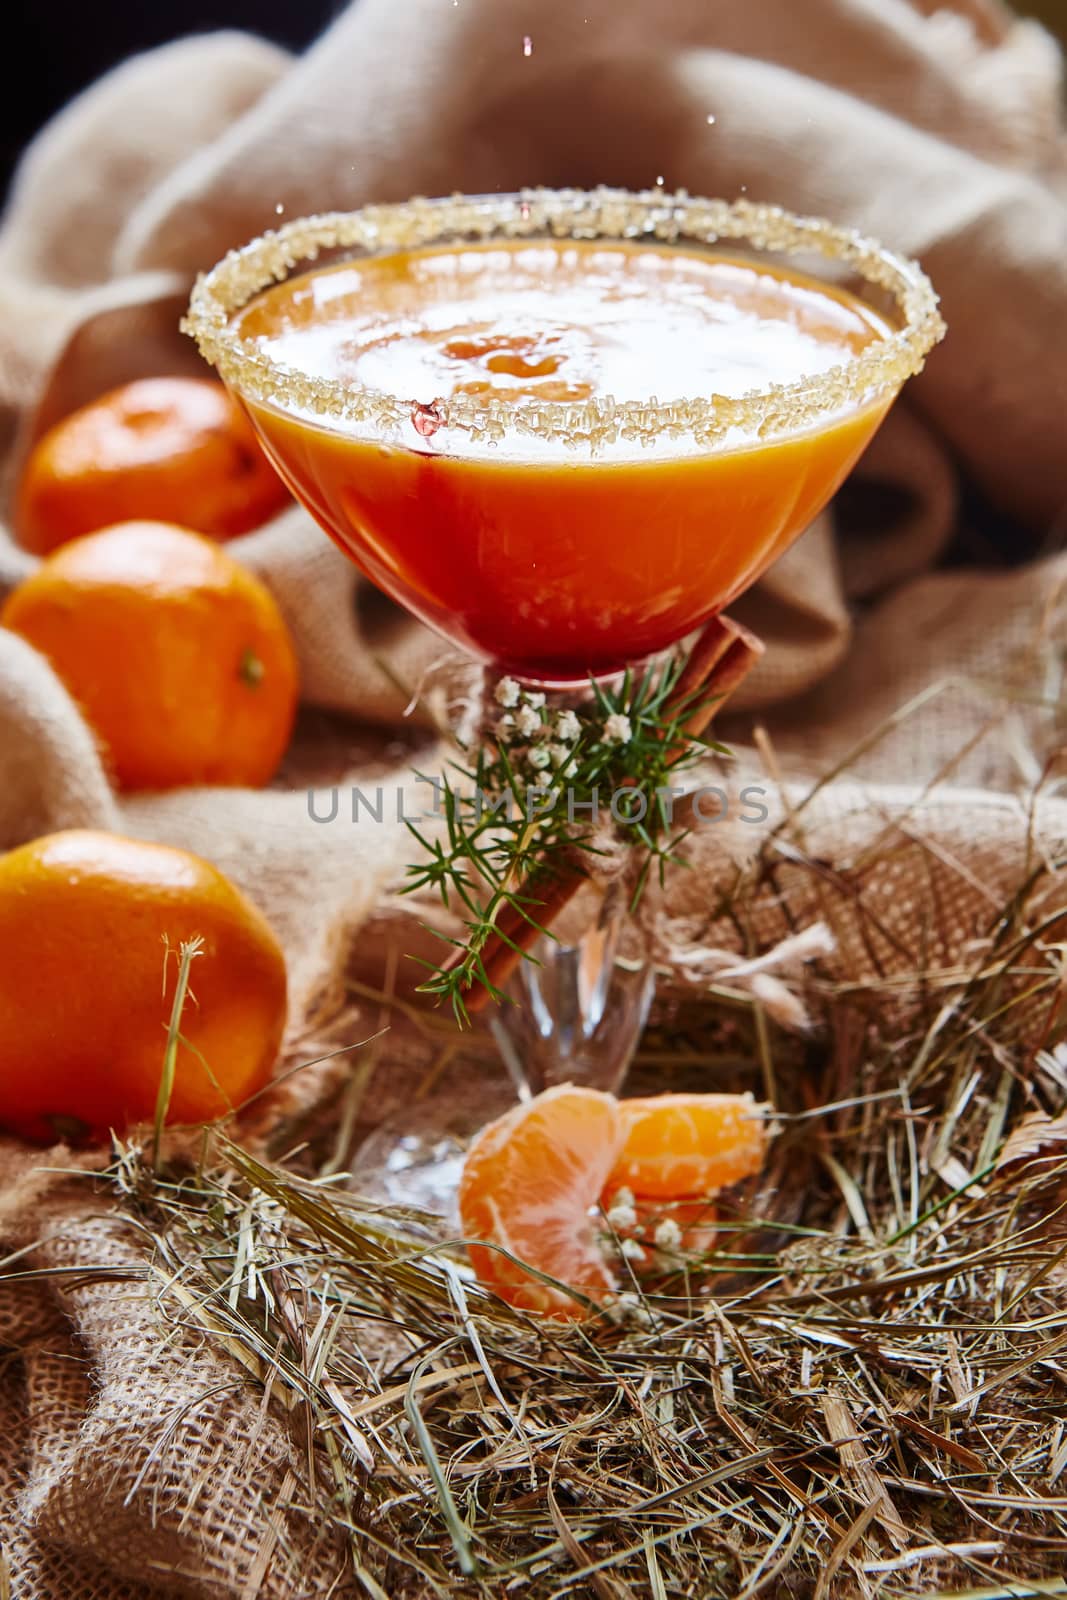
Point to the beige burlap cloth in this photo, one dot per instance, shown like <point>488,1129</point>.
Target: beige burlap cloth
<point>129,1467</point>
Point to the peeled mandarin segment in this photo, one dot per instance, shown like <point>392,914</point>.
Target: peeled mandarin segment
<point>678,1145</point>
<point>529,1183</point>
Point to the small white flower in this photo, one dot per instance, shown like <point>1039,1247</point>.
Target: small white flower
<point>632,1251</point>
<point>536,700</point>
<point>539,757</point>
<point>567,727</point>
<point>506,692</point>
<point>527,721</point>
<point>627,1307</point>
<point>559,754</point>
<point>505,728</point>
<point>623,1197</point>
<point>668,1234</point>
<point>621,1217</point>
<point>617,729</point>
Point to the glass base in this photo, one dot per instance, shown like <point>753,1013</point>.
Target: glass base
<point>413,1161</point>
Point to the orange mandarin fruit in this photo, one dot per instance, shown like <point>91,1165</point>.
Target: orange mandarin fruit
<point>178,657</point>
<point>535,1180</point>
<point>91,927</point>
<point>180,449</point>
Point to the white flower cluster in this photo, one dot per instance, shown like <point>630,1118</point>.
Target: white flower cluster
<point>668,1234</point>
<point>550,739</point>
<point>528,721</point>
<point>628,1307</point>
<point>623,1220</point>
<point>623,1213</point>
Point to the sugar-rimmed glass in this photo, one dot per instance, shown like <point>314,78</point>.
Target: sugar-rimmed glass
<point>535,615</point>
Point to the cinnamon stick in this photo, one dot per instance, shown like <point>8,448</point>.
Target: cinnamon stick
<point>721,658</point>
<point>500,957</point>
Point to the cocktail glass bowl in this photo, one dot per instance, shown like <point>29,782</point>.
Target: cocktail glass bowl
<point>559,540</point>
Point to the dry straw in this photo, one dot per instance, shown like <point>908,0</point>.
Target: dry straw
<point>862,1396</point>
<point>869,1403</point>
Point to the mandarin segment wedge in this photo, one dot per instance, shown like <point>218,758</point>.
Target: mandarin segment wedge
<point>536,1180</point>
<point>529,1183</point>
<point>676,1145</point>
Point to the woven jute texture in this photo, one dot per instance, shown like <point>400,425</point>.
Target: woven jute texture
<point>137,1465</point>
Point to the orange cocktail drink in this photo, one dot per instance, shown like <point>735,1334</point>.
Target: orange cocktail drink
<point>553,567</point>
<point>563,452</point>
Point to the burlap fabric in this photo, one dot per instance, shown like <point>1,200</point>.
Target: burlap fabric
<point>130,1467</point>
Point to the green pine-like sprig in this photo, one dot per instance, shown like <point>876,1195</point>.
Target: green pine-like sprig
<point>497,843</point>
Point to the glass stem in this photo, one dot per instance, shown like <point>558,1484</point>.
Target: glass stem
<point>575,1011</point>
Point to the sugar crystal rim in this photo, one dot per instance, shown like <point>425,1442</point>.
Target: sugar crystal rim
<point>652,216</point>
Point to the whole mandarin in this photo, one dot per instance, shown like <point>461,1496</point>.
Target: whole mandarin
<point>91,927</point>
<point>174,448</point>
<point>178,657</point>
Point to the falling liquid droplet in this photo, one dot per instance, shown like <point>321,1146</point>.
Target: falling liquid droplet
<point>527,45</point>
<point>426,419</point>
<point>659,181</point>
<point>711,121</point>
<point>279,208</point>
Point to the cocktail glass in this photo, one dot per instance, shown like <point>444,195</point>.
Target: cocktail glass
<point>559,540</point>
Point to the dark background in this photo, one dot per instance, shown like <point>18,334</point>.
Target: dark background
<point>54,48</point>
